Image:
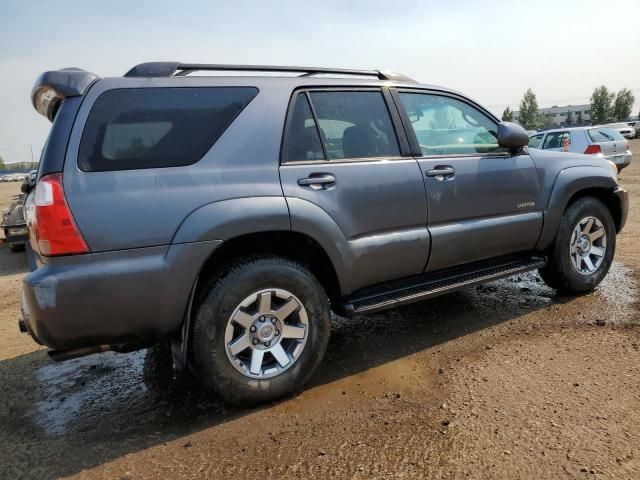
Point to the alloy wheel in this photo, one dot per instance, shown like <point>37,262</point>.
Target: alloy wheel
<point>588,245</point>
<point>266,333</point>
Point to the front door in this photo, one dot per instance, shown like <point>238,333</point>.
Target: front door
<point>483,201</point>
<point>342,165</point>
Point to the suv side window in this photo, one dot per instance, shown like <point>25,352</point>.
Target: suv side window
<point>339,125</point>
<point>554,139</point>
<point>355,124</point>
<point>132,128</point>
<point>534,142</point>
<point>447,126</point>
<point>302,140</point>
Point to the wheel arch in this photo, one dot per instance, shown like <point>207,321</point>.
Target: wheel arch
<point>606,196</point>
<point>571,185</point>
<point>296,246</point>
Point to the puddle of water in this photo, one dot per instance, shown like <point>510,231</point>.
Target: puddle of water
<point>84,387</point>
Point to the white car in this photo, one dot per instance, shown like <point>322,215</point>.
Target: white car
<point>626,130</point>
<point>602,141</point>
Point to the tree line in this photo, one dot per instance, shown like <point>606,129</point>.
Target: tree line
<point>606,106</point>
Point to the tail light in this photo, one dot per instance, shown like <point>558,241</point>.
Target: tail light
<point>626,145</point>
<point>55,229</point>
<point>593,149</point>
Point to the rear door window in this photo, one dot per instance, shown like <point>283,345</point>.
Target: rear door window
<point>337,125</point>
<point>355,124</point>
<point>302,140</point>
<point>134,128</point>
<point>554,139</point>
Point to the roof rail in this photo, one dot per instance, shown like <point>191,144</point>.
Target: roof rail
<point>170,69</point>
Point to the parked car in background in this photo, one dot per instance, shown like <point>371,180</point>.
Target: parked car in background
<point>626,130</point>
<point>14,225</point>
<point>604,142</point>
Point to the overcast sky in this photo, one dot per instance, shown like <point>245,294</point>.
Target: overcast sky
<point>491,50</point>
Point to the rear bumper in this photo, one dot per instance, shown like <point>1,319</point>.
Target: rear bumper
<point>126,296</point>
<point>621,161</point>
<point>15,234</point>
<point>623,201</point>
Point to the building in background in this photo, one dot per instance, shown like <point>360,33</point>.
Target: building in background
<point>560,114</point>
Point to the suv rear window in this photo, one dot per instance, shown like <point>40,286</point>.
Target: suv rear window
<point>134,128</point>
<point>604,135</point>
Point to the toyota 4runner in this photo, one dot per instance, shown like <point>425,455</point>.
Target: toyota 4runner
<point>230,214</point>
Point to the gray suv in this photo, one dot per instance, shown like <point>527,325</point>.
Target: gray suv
<point>229,215</point>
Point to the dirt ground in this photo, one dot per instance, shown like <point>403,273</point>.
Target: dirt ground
<point>503,381</point>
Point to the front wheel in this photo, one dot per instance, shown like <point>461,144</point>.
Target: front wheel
<point>583,249</point>
<point>260,330</point>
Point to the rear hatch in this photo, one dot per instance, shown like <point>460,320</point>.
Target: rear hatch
<point>612,144</point>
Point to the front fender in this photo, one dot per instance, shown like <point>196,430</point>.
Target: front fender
<point>568,183</point>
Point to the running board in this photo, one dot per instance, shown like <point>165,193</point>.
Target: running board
<point>432,284</point>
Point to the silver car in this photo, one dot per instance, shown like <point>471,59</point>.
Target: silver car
<point>626,130</point>
<point>602,141</point>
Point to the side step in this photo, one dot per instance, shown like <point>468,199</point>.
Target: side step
<point>431,284</point>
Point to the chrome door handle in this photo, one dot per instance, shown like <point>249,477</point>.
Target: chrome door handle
<point>320,180</point>
<point>441,172</point>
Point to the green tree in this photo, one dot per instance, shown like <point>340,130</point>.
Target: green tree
<point>529,117</point>
<point>1,163</point>
<point>546,121</point>
<point>507,115</point>
<point>579,120</point>
<point>601,105</point>
<point>623,105</point>
<point>569,120</point>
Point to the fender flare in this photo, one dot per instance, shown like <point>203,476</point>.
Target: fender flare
<point>230,218</point>
<point>567,184</point>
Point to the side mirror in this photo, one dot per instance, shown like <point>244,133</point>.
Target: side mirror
<point>512,135</point>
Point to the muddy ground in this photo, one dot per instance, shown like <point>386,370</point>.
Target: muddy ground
<point>503,381</point>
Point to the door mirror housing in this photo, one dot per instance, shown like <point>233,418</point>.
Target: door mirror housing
<point>512,136</point>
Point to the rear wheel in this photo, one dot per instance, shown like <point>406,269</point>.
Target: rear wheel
<point>583,249</point>
<point>260,330</point>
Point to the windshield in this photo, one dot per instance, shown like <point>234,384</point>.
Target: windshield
<point>604,134</point>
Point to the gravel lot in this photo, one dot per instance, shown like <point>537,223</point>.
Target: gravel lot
<point>503,381</point>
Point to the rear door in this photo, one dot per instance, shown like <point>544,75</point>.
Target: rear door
<point>553,140</point>
<point>483,201</point>
<point>342,158</point>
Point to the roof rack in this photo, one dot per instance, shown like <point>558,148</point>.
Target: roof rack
<point>177,69</point>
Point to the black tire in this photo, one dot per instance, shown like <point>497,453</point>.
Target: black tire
<point>220,299</point>
<point>559,272</point>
